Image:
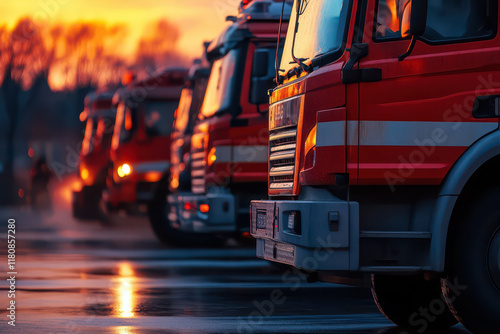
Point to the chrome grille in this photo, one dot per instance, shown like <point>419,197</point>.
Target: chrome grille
<point>198,163</point>
<point>282,147</point>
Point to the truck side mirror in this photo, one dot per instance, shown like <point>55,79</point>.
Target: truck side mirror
<point>413,22</point>
<point>260,78</point>
<point>260,63</point>
<point>414,19</point>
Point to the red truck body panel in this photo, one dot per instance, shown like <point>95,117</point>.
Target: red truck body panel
<point>147,155</point>
<point>94,156</point>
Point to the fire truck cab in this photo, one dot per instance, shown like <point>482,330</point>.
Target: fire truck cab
<point>179,179</point>
<point>384,151</point>
<point>229,143</point>
<point>99,116</point>
<point>140,149</point>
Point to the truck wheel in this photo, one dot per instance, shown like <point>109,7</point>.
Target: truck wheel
<point>472,286</point>
<point>412,302</point>
<point>86,203</point>
<point>104,214</point>
<point>158,211</point>
<point>76,207</point>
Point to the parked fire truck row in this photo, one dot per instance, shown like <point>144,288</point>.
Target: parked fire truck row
<point>195,177</point>
<point>94,155</point>
<point>379,146</point>
<point>228,149</point>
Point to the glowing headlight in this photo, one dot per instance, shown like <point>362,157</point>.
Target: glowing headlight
<point>84,173</point>
<point>211,156</point>
<point>174,183</point>
<point>285,113</point>
<point>124,170</point>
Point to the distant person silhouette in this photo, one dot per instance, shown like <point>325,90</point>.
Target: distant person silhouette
<point>40,177</point>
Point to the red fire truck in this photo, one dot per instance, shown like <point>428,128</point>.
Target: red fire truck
<point>229,144</point>
<point>383,152</point>
<point>140,149</point>
<point>180,176</point>
<point>94,155</point>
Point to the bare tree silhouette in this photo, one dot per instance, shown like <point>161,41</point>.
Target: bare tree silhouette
<point>77,58</point>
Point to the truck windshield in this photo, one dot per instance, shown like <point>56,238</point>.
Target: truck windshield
<point>125,125</point>
<point>159,117</point>
<point>158,120</point>
<point>104,132</point>
<point>90,130</point>
<point>220,87</point>
<point>182,118</point>
<point>320,30</point>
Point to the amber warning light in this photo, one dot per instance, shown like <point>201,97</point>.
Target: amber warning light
<point>204,208</point>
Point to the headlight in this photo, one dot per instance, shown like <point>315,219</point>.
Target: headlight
<point>84,173</point>
<point>286,113</point>
<point>124,170</point>
<point>174,183</point>
<point>212,156</point>
<point>153,176</point>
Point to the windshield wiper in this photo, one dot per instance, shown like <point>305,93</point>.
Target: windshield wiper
<point>300,61</point>
<point>279,78</point>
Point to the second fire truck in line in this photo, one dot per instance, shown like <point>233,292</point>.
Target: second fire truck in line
<point>228,157</point>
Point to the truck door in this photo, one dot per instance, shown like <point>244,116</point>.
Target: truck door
<point>416,122</point>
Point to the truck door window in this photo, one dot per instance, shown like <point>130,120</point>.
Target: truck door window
<point>388,19</point>
<point>220,85</point>
<point>159,117</point>
<point>182,119</point>
<point>125,125</point>
<point>447,20</point>
<point>104,132</point>
<point>129,125</point>
<point>90,129</point>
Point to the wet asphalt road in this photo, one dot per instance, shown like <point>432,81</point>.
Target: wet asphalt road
<point>76,277</point>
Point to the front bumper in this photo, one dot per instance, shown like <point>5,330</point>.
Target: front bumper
<point>327,237</point>
<point>145,191</point>
<point>130,195</point>
<point>221,217</point>
<point>85,203</point>
<point>130,192</point>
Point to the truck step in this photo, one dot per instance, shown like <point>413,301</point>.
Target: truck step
<point>392,269</point>
<point>395,235</point>
<point>243,211</point>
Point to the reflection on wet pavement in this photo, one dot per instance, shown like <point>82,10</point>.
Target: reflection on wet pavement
<point>81,277</point>
<point>124,291</point>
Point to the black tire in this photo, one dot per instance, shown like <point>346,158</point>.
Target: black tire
<point>158,211</point>
<point>76,208</point>
<point>412,302</point>
<point>472,286</point>
<point>103,214</point>
<point>85,204</point>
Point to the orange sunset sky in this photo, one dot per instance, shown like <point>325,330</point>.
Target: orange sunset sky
<point>198,20</point>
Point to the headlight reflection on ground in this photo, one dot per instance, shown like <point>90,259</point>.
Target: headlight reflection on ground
<point>124,330</point>
<point>125,291</point>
